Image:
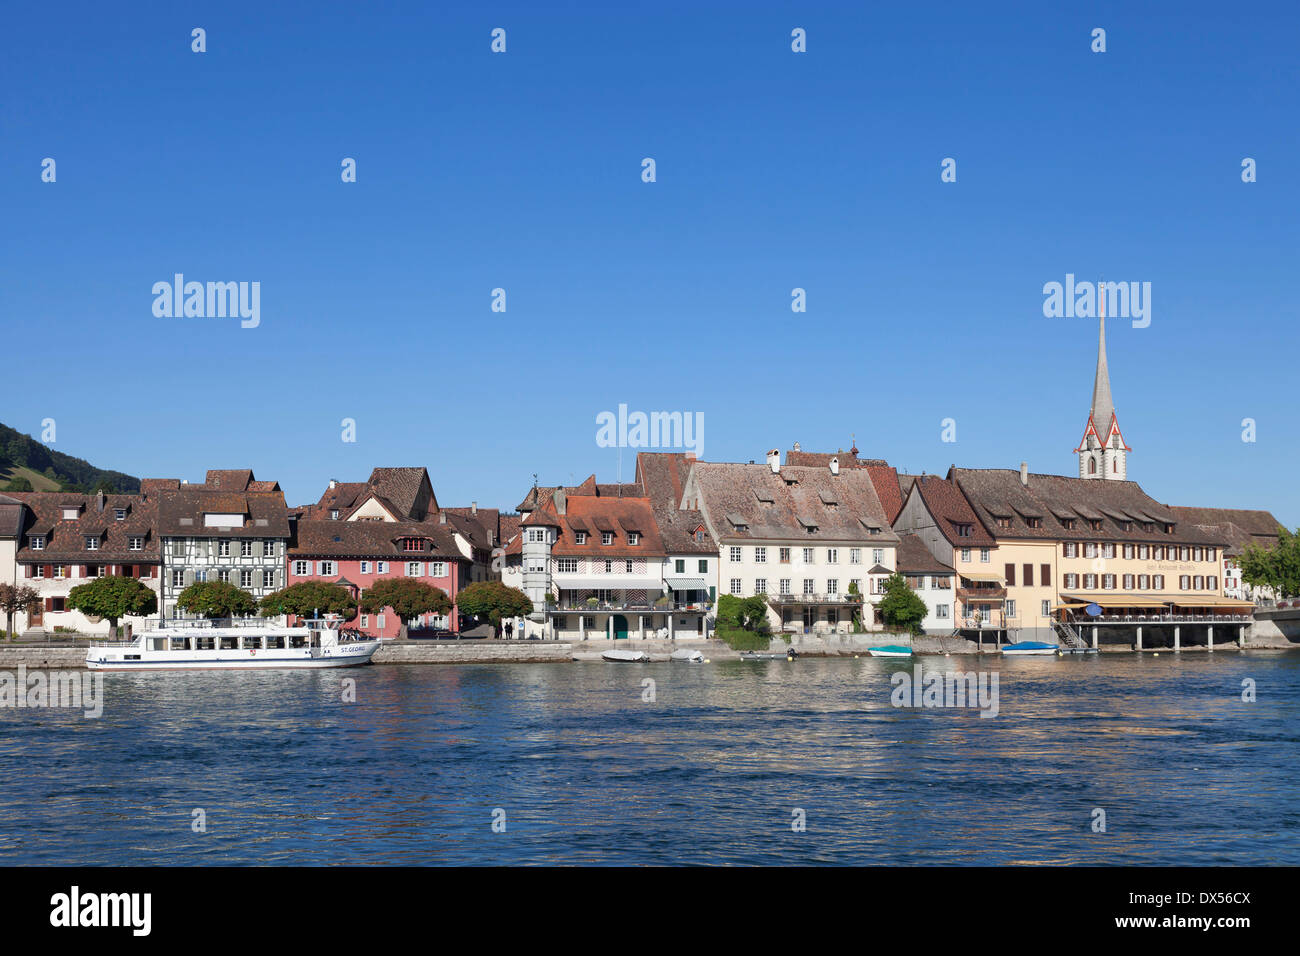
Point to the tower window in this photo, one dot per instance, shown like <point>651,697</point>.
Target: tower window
<point>1092,466</point>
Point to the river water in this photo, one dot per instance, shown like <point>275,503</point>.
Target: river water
<point>722,763</point>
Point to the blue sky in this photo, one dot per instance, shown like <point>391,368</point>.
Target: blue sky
<point>775,170</point>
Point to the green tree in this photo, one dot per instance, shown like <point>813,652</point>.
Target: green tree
<point>18,484</point>
<point>495,601</point>
<point>16,599</point>
<point>748,614</point>
<point>900,606</point>
<point>216,599</point>
<point>1277,567</point>
<point>308,598</point>
<point>113,597</point>
<point>407,597</point>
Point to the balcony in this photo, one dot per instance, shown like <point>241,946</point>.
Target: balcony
<point>779,600</point>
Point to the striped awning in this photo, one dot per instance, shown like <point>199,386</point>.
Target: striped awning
<point>687,584</point>
<point>983,578</point>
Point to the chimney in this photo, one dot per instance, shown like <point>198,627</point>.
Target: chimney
<point>442,517</point>
<point>185,481</point>
<point>835,466</point>
<point>561,501</point>
<point>99,499</point>
<point>473,507</point>
<point>1024,473</point>
<point>334,483</point>
<point>796,447</point>
<point>774,461</point>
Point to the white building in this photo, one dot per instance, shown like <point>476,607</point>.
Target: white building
<point>814,541</point>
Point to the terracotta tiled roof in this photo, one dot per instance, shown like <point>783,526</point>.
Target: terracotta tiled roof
<point>408,489</point>
<point>1240,528</point>
<point>885,480</point>
<point>181,511</point>
<point>951,511</point>
<point>235,479</point>
<point>749,501</point>
<point>593,514</point>
<point>11,516</point>
<point>373,539</point>
<point>663,476</point>
<point>65,538</point>
<point>1005,506</point>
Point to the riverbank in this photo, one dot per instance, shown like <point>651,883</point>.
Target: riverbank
<point>64,657</point>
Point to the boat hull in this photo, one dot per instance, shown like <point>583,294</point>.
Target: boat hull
<point>98,659</point>
<point>890,651</point>
<point>1010,650</point>
<point>625,657</point>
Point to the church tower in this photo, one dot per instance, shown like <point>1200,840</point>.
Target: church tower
<point>1102,452</point>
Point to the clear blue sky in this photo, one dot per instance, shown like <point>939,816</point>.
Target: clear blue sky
<point>775,170</point>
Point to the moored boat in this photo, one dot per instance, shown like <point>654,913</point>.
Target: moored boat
<point>626,657</point>
<point>1030,649</point>
<point>687,655</point>
<point>253,646</point>
<point>890,650</point>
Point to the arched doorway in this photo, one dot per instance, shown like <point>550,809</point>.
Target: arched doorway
<point>620,627</point>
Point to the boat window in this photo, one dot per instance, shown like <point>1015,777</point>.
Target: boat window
<point>179,644</point>
<point>204,643</point>
<point>229,643</point>
<point>275,642</point>
<point>252,642</point>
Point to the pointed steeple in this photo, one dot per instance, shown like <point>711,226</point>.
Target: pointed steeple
<point>1102,451</point>
<point>1103,409</point>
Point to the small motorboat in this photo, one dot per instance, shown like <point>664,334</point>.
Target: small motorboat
<point>687,655</point>
<point>626,657</point>
<point>890,650</point>
<point>1030,649</point>
<point>789,655</point>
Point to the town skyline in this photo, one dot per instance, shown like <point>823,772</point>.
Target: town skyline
<point>478,171</point>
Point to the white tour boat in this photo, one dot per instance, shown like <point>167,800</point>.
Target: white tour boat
<point>198,645</point>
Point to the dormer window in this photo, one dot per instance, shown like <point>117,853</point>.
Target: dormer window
<point>963,530</point>
<point>119,514</point>
<point>72,513</point>
<point>38,542</point>
<point>92,542</point>
<point>136,543</point>
<point>699,536</point>
<point>634,537</point>
<point>580,537</point>
<point>607,537</point>
<point>1095,524</point>
<point>1067,523</point>
<point>1169,529</point>
<point>1034,522</point>
<point>1004,522</point>
<point>412,544</point>
<point>334,514</point>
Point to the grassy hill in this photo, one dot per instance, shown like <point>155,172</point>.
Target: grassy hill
<point>26,461</point>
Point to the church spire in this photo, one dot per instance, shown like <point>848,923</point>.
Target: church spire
<point>1102,452</point>
<point>1103,408</point>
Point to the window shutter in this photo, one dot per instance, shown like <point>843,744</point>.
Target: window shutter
<point>260,549</point>
<point>49,570</point>
<point>1011,575</point>
<point>49,604</point>
<point>1044,574</point>
<point>1029,576</point>
<point>28,571</point>
<point>187,577</point>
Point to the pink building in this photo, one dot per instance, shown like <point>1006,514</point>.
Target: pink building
<point>389,527</point>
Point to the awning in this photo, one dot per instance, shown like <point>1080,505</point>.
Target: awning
<point>1118,600</point>
<point>687,584</point>
<point>1235,603</point>
<point>984,578</point>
